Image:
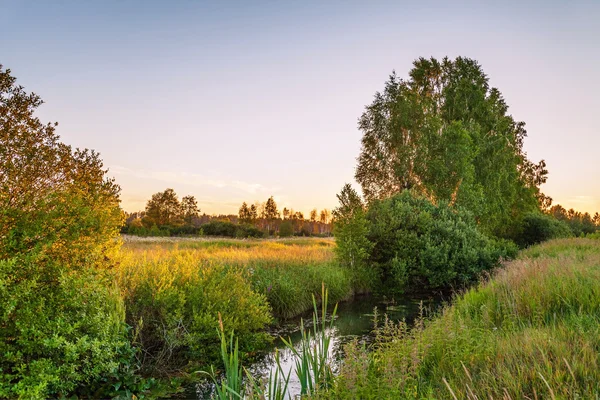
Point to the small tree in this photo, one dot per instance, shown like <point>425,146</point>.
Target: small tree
<point>244,214</point>
<point>271,213</point>
<point>351,229</point>
<point>189,209</point>
<point>163,209</point>
<point>253,213</point>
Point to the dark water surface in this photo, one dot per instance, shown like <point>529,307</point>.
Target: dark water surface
<point>354,320</point>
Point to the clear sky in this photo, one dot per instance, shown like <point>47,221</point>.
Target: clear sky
<point>237,101</point>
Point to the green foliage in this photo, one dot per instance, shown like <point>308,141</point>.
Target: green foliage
<point>230,387</point>
<point>418,245</point>
<point>56,334</point>
<point>229,229</point>
<point>61,321</point>
<point>531,331</point>
<point>538,228</point>
<point>289,288</point>
<point>312,361</point>
<point>353,247</point>
<point>313,357</point>
<point>174,305</point>
<point>444,133</point>
<point>286,229</point>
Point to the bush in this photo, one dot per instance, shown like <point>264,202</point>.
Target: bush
<point>173,302</point>
<point>286,229</point>
<point>537,228</point>
<point>61,320</point>
<point>57,336</point>
<point>418,245</point>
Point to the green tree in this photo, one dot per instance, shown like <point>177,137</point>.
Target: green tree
<point>286,229</point>
<point>445,134</point>
<point>189,209</point>
<point>271,213</point>
<point>61,319</point>
<point>244,214</point>
<point>164,209</point>
<point>350,230</point>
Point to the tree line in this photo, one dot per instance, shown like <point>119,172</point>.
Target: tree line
<point>166,215</point>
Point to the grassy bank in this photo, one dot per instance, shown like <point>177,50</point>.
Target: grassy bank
<point>174,291</point>
<point>531,331</point>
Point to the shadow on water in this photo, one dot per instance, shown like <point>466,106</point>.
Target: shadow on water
<point>354,320</point>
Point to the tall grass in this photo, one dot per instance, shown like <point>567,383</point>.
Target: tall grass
<point>174,289</point>
<point>313,356</point>
<point>531,331</point>
<point>312,359</point>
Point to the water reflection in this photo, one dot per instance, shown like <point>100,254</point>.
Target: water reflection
<point>354,320</point>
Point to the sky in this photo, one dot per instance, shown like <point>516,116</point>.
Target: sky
<point>237,101</point>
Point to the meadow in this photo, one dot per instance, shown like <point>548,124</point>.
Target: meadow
<point>175,291</point>
<point>532,330</point>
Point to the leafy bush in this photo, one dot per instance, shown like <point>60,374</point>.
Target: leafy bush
<point>537,228</point>
<point>173,302</point>
<point>418,245</point>
<point>286,229</point>
<point>61,320</point>
<point>229,229</point>
<point>56,335</point>
<point>353,248</point>
<point>249,231</point>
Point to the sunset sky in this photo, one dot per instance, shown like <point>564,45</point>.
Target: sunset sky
<point>238,101</point>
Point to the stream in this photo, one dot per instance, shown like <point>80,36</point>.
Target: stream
<point>354,320</point>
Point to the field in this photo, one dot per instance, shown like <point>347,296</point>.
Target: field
<point>176,290</point>
<point>531,331</point>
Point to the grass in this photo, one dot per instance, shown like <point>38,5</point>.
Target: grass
<point>312,359</point>
<point>286,271</point>
<point>174,289</point>
<point>531,331</point>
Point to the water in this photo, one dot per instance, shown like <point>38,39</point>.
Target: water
<point>354,320</point>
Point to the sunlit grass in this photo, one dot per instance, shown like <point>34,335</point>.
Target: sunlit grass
<point>531,331</point>
<point>288,272</point>
<point>175,289</point>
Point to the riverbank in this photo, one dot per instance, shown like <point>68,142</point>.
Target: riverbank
<point>532,330</point>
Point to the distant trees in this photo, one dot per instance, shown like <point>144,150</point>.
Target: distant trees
<point>245,214</point>
<point>271,214</point>
<point>166,215</point>
<point>579,223</point>
<point>165,209</point>
<point>189,209</point>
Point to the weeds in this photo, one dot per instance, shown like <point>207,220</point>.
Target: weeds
<point>531,331</point>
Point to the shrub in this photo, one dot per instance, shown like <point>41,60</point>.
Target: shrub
<point>353,247</point>
<point>250,231</point>
<point>57,335</point>
<point>418,245</point>
<point>61,321</point>
<point>537,228</point>
<point>286,229</point>
<point>173,301</point>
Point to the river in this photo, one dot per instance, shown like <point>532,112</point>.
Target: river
<point>354,320</point>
